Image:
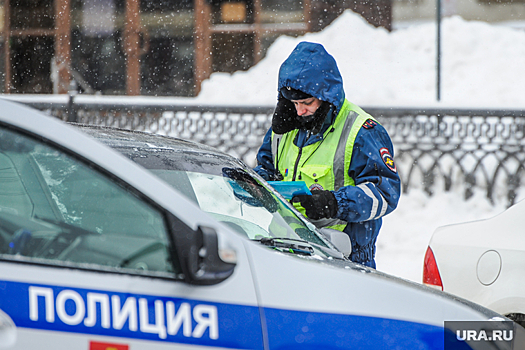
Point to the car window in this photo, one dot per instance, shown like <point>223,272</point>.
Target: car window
<point>56,209</point>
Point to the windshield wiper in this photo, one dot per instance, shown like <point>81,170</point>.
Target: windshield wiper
<point>282,245</point>
<point>334,253</point>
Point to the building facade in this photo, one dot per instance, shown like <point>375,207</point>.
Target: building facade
<point>150,47</point>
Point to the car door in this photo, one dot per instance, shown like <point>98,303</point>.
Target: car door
<point>96,253</point>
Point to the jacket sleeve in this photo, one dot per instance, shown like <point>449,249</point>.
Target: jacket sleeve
<point>377,183</point>
<point>265,167</point>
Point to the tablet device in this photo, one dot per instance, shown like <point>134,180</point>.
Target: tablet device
<point>288,189</point>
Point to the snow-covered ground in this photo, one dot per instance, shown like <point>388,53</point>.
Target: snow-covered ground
<point>483,66</point>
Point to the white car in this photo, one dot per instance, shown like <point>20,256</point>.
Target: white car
<point>482,261</point>
<point>97,252</point>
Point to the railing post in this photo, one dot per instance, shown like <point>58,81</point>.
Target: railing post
<point>71,109</point>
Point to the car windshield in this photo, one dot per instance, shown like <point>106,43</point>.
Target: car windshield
<point>241,202</point>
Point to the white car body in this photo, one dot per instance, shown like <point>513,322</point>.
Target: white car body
<point>271,300</point>
<point>484,261</point>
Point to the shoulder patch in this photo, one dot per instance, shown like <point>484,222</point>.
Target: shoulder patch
<point>369,124</point>
<point>388,159</point>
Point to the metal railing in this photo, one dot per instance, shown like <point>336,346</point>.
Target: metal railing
<point>436,149</point>
<point>451,148</point>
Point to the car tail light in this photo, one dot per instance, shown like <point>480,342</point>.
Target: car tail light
<point>431,275</point>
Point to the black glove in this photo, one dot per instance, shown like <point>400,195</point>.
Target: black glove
<point>321,204</point>
<point>315,121</point>
<point>284,117</point>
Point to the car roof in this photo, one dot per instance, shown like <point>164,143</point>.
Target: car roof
<point>116,137</point>
<point>154,151</point>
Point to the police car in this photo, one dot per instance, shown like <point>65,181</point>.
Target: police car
<point>96,252</point>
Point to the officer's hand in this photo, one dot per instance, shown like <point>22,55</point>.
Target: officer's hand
<point>321,204</point>
<point>284,116</point>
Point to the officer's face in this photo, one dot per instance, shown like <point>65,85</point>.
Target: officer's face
<point>306,107</point>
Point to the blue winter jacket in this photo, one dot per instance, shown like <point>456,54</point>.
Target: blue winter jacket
<point>311,69</point>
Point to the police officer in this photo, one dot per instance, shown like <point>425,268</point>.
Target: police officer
<point>342,153</point>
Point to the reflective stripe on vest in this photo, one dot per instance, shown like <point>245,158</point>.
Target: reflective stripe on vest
<point>325,163</point>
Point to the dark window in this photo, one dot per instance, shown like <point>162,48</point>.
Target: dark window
<point>31,64</point>
<point>100,61</point>
<point>31,14</point>
<point>232,52</point>
<point>165,5</point>
<point>167,67</point>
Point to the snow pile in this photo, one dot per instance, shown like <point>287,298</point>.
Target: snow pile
<point>480,66</point>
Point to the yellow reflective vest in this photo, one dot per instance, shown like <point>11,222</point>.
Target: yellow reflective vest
<point>322,165</point>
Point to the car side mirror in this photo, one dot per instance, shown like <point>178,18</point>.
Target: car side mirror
<point>339,239</point>
<point>205,260</point>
